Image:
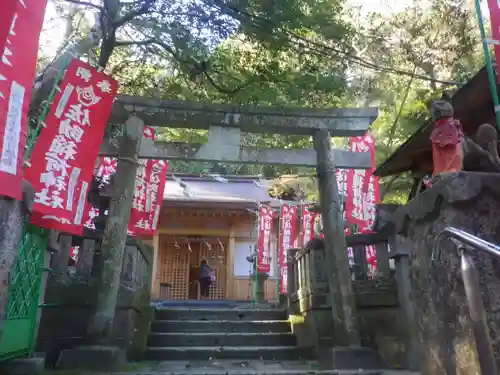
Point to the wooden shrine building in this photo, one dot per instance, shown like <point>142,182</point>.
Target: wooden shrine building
<point>203,218</point>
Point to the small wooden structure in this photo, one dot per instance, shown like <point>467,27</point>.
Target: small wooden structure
<point>473,106</point>
<point>214,221</point>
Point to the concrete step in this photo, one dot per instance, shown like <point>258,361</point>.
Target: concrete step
<point>221,314</point>
<point>221,339</point>
<point>175,326</point>
<point>278,353</point>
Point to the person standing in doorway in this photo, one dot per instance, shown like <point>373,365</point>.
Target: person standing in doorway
<point>206,273</point>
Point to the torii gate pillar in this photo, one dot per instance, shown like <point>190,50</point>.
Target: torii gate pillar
<point>339,278</point>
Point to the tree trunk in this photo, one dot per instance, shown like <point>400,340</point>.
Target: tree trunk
<point>115,233</point>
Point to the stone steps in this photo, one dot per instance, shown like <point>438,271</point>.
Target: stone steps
<point>220,314</point>
<point>242,367</point>
<point>222,334</point>
<point>220,339</point>
<point>274,353</point>
<point>194,326</point>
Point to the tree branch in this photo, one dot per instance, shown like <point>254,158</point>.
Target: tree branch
<point>125,43</point>
<point>145,8</point>
<point>85,3</point>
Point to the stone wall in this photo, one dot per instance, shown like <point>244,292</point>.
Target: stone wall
<point>377,304</point>
<point>70,299</point>
<point>467,201</point>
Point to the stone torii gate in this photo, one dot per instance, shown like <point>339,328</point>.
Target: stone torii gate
<point>225,124</point>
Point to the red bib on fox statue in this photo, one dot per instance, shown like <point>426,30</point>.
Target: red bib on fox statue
<point>446,138</point>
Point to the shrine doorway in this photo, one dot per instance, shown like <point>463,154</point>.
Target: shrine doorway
<point>179,260</point>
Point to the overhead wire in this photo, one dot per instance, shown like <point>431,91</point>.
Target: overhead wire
<point>319,48</point>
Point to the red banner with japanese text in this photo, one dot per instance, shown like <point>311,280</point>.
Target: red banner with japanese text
<point>288,232</point>
<point>64,155</point>
<point>363,193</point>
<point>494,6</point>
<point>17,73</point>
<point>266,217</point>
<point>306,226</point>
<point>148,194</point>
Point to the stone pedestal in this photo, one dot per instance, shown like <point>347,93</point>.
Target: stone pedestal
<point>258,280</point>
<point>63,329</point>
<point>314,299</point>
<point>471,202</point>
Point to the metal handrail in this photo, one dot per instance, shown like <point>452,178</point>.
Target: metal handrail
<point>473,292</point>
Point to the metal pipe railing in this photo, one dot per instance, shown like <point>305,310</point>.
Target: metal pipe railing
<point>472,291</point>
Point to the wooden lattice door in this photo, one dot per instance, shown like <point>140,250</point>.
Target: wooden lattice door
<point>174,263</point>
<point>214,251</point>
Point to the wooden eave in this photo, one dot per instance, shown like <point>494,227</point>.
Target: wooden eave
<point>473,107</point>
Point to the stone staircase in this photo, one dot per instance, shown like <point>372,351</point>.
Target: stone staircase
<point>202,334</point>
<point>229,341</point>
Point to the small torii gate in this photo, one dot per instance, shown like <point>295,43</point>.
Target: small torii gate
<point>225,123</point>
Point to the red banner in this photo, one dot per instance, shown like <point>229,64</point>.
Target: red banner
<point>17,73</point>
<point>9,8</point>
<point>74,253</point>
<point>148,194</point>
<point>307,226</point>
<point>104,170</point>
<point>363,193</point>
<point>266,216</point>
<point>64,155</point>
<point>288,232</point>
<point>494,6</point>
<point>148,197</point>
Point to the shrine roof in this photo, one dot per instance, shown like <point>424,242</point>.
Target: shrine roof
<point>473,106</point>
<point>233,189</point>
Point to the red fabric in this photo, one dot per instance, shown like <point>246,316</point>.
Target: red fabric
<point>17,73</point>
<point>363,189</point>
<point>494,6</point>
<point>266,216</point>
<point>363,193</point>
<point>446,159</point>
<point>9,8</point>
<point>64,155</point>
<point>288,231</point>
<point>148,197</point>
<point>307,226</point>
<point>446,132</point>
<point>150,179</point>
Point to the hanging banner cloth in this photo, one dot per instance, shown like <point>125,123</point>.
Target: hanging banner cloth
<point>64,155</point>
<point>150,183</point>
<point>363,193</point>
<point>20,27</point>
<point>288,232</point>
<point>266,218</point>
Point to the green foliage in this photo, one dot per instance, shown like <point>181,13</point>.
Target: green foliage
<point>291,53</point>
<point>440,41</point>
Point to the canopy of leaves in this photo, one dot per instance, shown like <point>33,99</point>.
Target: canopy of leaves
<point>287,53</point>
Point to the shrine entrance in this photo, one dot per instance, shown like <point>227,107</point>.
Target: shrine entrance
<point>179,263</point>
